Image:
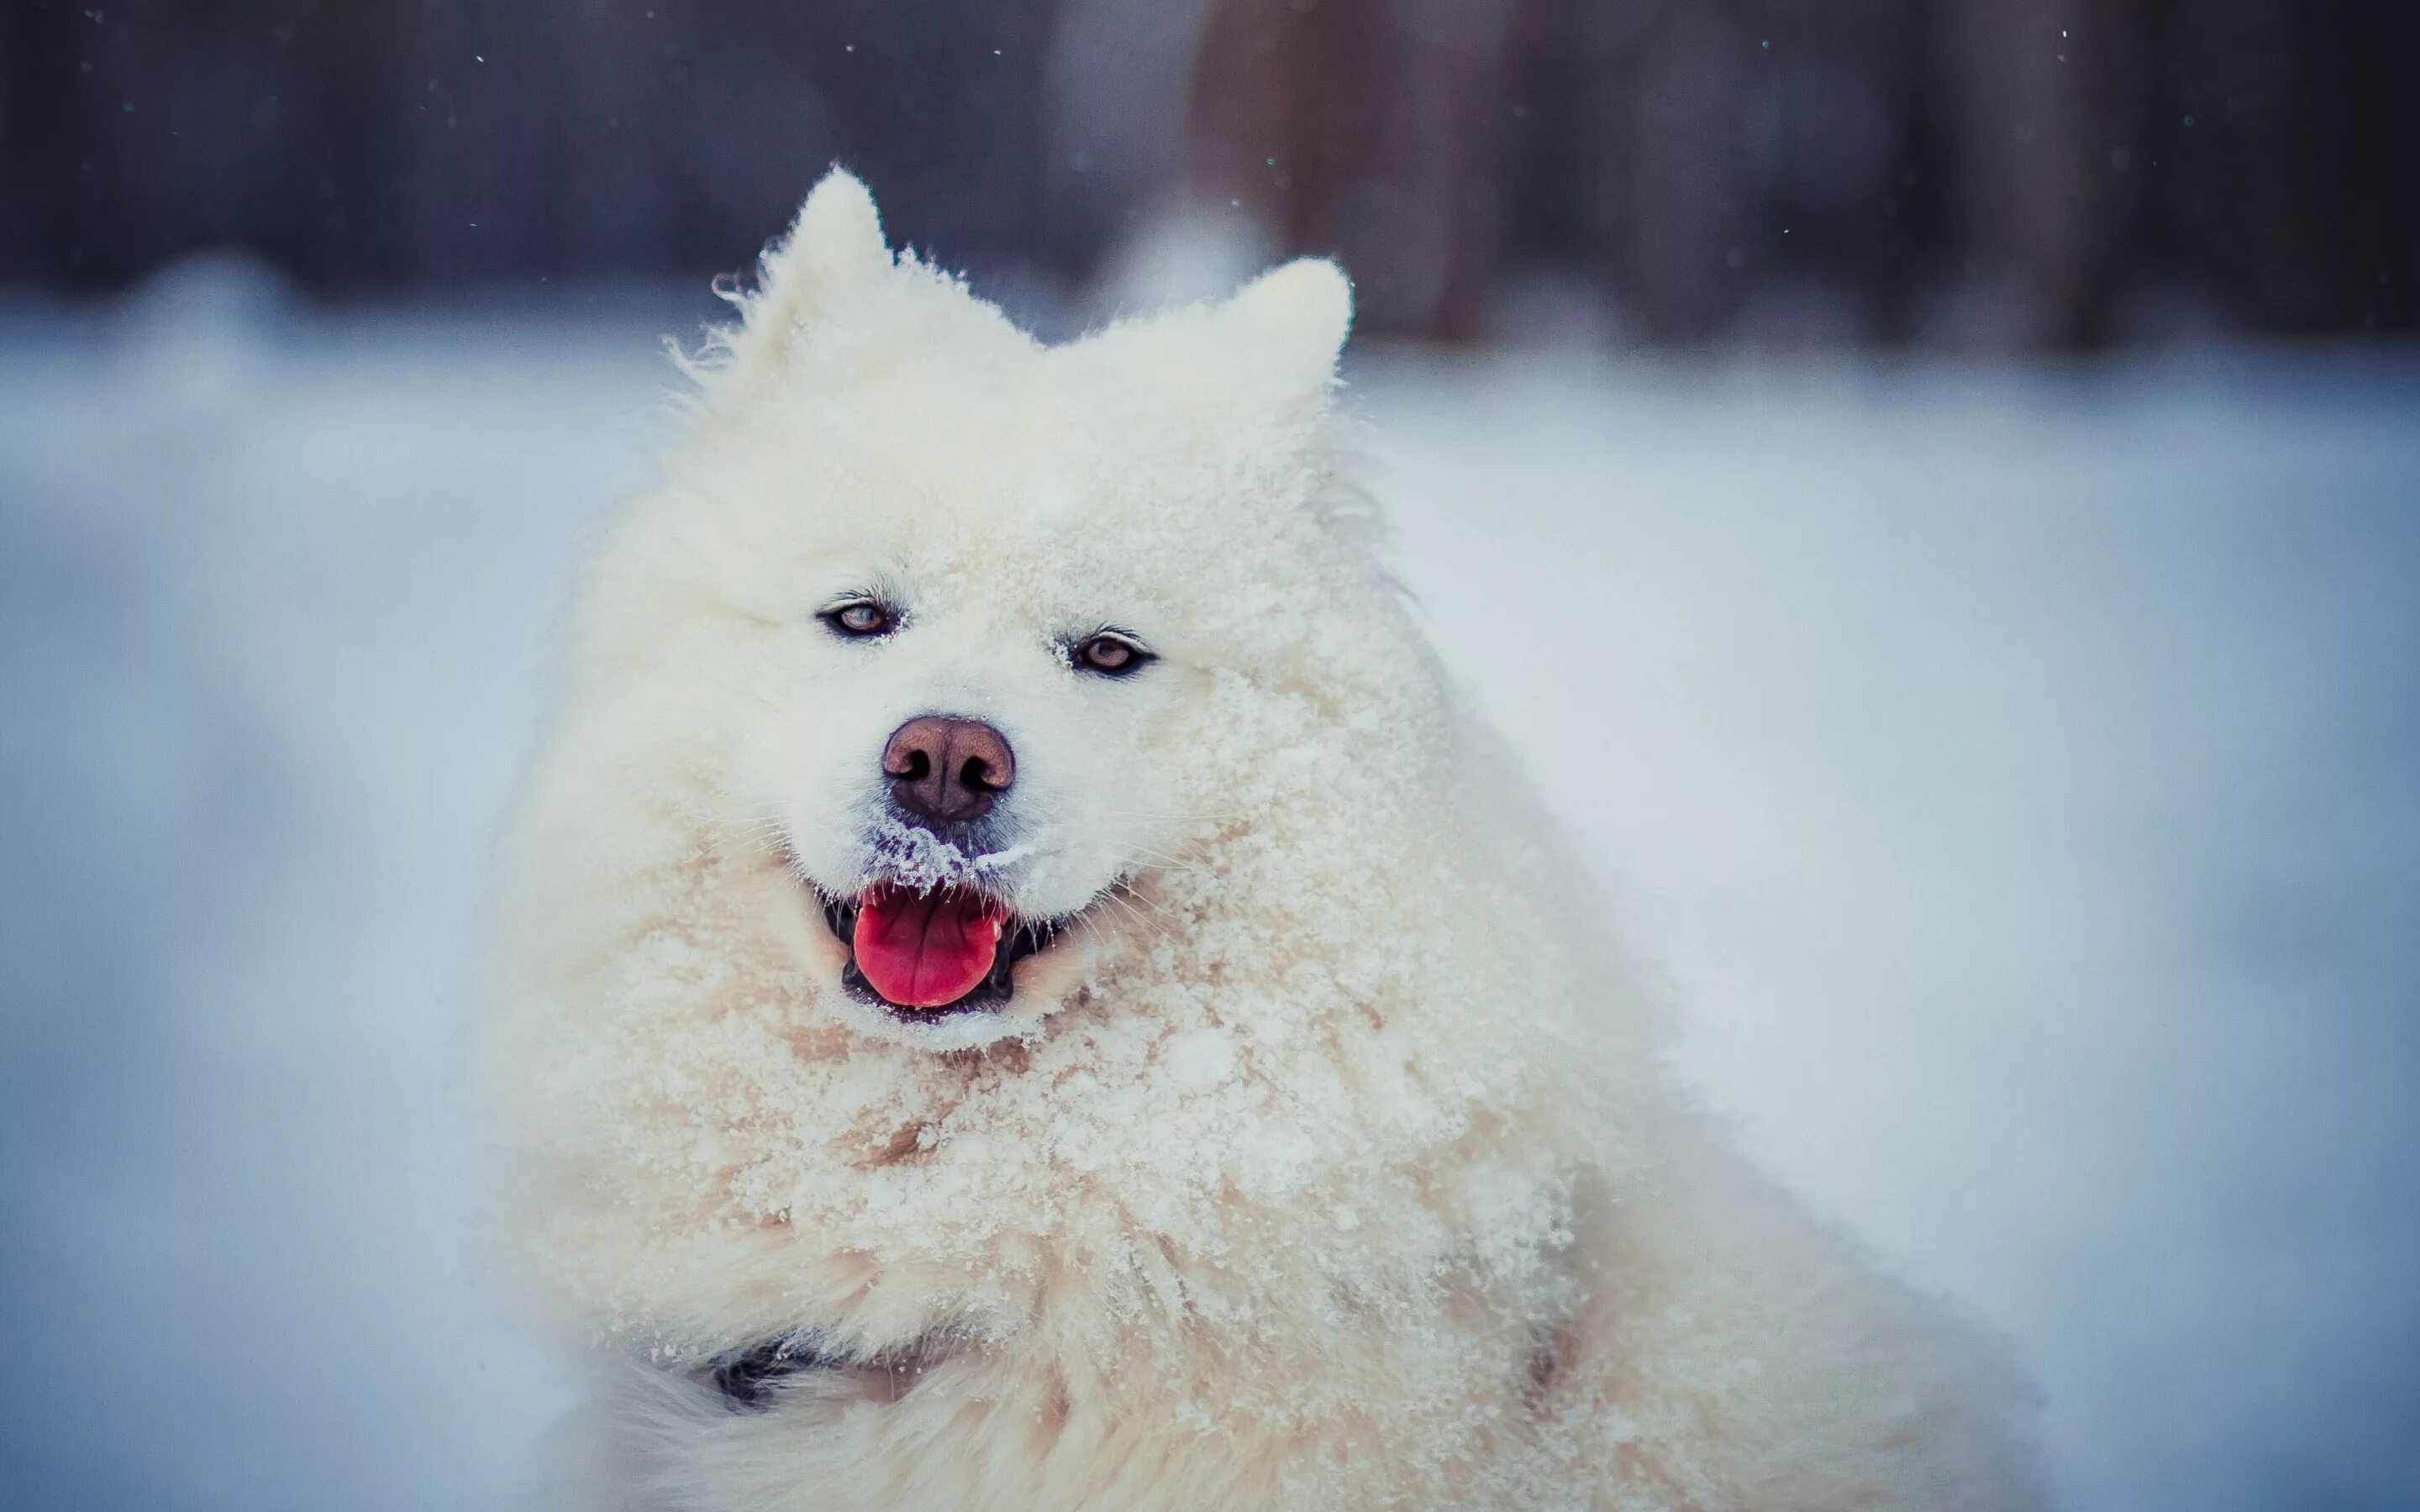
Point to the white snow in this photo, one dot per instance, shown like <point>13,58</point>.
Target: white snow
<point>1200,1059</point>
<point>2013,772</point>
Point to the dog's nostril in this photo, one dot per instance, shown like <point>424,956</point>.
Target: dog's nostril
<point>946,768</point>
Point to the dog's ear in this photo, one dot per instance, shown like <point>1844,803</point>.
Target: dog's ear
<point>1270,348</point>
<point>833,251</point>
<point>1295,317</point>
<point>1299,314</point>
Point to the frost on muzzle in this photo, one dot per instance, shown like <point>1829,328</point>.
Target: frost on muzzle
<point>931,936</point>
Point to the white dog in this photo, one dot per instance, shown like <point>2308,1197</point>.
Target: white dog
<point>1018,983</point>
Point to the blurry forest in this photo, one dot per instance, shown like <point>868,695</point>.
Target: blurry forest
<point>2005,174</point>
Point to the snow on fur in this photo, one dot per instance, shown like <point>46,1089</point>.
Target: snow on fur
<point>1324,1163</point>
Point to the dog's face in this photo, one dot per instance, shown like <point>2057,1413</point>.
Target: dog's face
<point>966,756</point>
<point>939,611</point>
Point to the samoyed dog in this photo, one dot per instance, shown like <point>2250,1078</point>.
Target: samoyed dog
<point>1017,982</point>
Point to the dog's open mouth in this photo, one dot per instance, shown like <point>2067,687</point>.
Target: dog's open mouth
<point>928,954</point>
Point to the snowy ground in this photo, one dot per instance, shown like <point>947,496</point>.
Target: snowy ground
<point>2017,773</point>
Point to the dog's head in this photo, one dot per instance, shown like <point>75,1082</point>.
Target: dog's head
<point>934,616</point>
<point>953,688</point>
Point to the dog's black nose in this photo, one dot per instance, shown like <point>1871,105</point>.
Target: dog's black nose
<point>947,770</point>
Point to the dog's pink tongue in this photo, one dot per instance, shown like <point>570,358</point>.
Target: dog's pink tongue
<point>925,950</point>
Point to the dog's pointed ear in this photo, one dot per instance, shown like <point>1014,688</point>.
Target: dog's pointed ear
<point>1298,315</point>
<point>834,251</point>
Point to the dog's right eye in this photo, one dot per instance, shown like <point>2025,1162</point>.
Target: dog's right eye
<point>859,618</point>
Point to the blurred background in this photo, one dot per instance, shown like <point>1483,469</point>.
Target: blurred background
<point>2001,173</point>
<point>1954,464</point>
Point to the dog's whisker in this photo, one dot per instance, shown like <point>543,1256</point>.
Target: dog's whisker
<point>1164,918</point>
<point>1185,816</point>
<point>1135,896</point>
<point>1167,861</point>
<point>1143,920</point>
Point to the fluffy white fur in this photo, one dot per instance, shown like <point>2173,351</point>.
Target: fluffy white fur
<point>1326,1164</point>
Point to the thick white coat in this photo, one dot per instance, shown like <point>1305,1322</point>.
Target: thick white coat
<point>1327,1164</point>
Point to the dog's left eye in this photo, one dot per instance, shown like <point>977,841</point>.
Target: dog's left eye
<point>1112,656</point>
<point>859,617</point>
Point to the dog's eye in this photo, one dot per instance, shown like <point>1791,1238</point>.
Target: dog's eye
<point>859,617</point>
<point>1112,656</point>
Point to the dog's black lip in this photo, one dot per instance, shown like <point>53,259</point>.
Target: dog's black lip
<point>989,995</point>
<point>750,1378</point>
